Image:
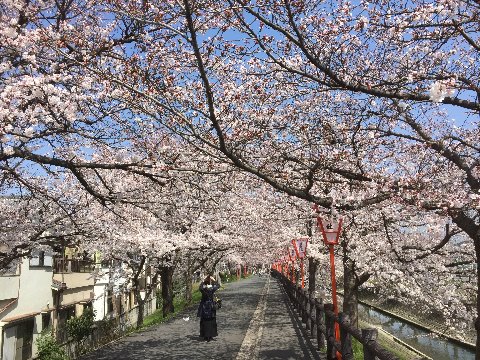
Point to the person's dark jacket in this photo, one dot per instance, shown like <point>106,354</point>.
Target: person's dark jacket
<point>206,309</point>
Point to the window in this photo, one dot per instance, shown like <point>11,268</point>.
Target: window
<point>62,317</point>
<point>24,339</point>
<point>88,306</point>
<point>46,320</point>
<point>40,259</point>
<point>65,314</point>
<point>110,301</point>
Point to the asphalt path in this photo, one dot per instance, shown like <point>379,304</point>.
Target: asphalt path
<point>255,322</point>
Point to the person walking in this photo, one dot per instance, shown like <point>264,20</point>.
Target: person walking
<point>206,310</point>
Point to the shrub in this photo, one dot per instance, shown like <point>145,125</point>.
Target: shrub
<point>81,327</point>
<point>48,348</point>
<point>223,277</point>
<point>108,330</point>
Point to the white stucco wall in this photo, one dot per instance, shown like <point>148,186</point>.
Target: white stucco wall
<point>34,292</point>
<point>9,286</point>
<point>75,280</point>
<point>99,301</point>
<point>100,290</point>
<point>71,296</point>
<point>34,295</point>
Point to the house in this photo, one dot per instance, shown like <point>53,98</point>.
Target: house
<point>45,290</point>
<point>25,306</point>
<point>72,287</point>
<point>114,292</point>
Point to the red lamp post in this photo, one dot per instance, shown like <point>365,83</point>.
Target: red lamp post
<point>300,246</point>
<point>239,271</point>
<point>285,266</point>
<point>293,256</point>
<point>331,230</point>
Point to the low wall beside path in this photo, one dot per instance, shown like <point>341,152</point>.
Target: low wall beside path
<point>322,323</point>
<point>107,330</point>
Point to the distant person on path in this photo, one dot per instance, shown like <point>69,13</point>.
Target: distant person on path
<point>206,310</point>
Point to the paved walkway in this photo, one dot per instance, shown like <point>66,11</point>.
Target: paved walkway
<point>255,322</point>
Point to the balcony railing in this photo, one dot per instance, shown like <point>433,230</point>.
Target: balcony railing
<point>72,265</point>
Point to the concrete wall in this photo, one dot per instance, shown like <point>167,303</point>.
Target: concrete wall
<point>9,286</point>
<point>100,291</point>
<point>71,296</point>
<point>34,293</point>
<point>130,317</point>
<point>37,329</point>
<point>75,280</point>
<point>99,303</point>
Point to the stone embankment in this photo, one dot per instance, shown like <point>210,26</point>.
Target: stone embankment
<point>390,342</point>
<point>395,345</point>
<point>426,322</point>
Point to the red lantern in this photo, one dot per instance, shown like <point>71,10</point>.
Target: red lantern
<point>331,230</point>
<point>300,246</point>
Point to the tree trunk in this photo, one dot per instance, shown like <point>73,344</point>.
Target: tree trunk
<point>116,311</point>
<point>350,291</point>
<point>468,224</point>
<point>167,290</point>
<point>188,276</point>
<point>140,312</point>
<point>312,265</point>
<point>477,320</point>
<point>140,302</point>
<point>312,273</point>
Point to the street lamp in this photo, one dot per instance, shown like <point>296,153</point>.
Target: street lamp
<point>300,246</point>
<point>239,271</point>
<point>331,230</point>
<point>293,256</point>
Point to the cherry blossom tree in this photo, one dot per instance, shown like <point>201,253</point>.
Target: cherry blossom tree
<point>342,105</point>
<point>409,57</point>
<point>226,109</point>
<point>55,118</point>
<point>50,218</point>
<point>403,61</point>
<point>420,262</point>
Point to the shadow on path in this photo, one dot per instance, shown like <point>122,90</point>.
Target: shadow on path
<point>284,336</point>
<point>177,339</point>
